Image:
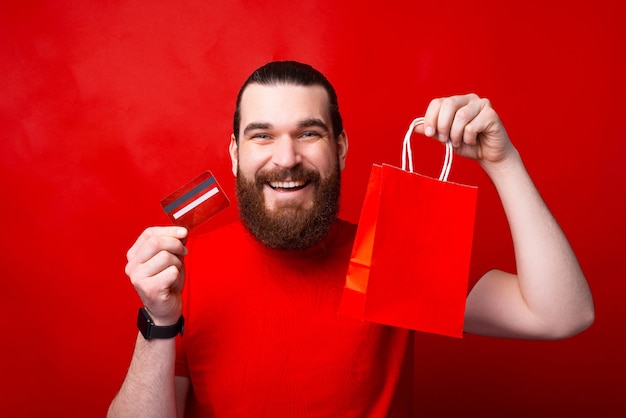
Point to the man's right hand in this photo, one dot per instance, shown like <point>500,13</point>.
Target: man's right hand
<point>155,267</point>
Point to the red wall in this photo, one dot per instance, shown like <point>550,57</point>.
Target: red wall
<point>105,107</point>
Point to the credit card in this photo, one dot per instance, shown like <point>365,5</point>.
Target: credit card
<point>196,201</point>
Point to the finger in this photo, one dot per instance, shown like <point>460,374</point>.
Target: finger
<point>430,118</point>
<point>150,286</point>
<point>155,231</point>
<point>154,239</point>
<point>159,262</point>
<point>462,129</point>
<point>448,109</point>
<point>440,114</point>
<point>157,276</point>
<point>483,122</point>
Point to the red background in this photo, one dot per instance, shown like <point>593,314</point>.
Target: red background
<point>106,107</point>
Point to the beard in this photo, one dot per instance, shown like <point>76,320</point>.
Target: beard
<point>289,226</point>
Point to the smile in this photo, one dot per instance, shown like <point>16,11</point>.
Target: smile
<point>287,185</point>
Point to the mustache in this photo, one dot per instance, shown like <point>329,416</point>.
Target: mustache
<point>297,173</point>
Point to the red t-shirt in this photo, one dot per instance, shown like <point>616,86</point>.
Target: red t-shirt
<point>263,337</point>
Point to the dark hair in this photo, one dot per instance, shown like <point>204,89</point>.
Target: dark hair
<point>296,73</point>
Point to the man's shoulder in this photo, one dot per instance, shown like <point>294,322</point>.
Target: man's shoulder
<point>346,224</point>
<point>345,230</point>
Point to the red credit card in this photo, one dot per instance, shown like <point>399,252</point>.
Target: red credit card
<point>196,201</point>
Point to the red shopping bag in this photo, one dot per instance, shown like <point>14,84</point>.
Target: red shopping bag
<point>410,260</point>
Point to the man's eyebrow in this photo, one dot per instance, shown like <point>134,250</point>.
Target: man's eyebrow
<point>314,122</point>
<point>306,123</point>
<point>256,125</point>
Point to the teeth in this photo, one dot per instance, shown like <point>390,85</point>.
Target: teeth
<point>286,184</point>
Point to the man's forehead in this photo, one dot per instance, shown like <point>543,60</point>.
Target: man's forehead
<point>284,86</point>
<point>258,101</point>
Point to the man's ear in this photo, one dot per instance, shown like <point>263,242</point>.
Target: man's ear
<point>342,149</point>
<point>233,150</point>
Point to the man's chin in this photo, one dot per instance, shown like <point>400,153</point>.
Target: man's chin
<point>279,209</point>
<point>278,201</point>
<point>292,220</point>
<point>289,227</point>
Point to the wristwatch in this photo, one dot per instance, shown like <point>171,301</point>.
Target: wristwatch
<point>149,330</point>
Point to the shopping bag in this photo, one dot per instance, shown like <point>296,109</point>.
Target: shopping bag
<point>410,260</point>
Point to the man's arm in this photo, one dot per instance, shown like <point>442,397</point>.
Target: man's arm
<point>549,297</point>
<point>155,268</point>
<point>150,388</point>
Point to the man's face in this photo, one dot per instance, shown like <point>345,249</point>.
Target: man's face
<point>287,164</point>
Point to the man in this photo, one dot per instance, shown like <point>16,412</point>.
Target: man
<point>262,336</point>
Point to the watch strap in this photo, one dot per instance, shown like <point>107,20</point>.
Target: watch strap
<point>150,330</point>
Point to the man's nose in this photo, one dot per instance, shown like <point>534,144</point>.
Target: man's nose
<point>286,153</point>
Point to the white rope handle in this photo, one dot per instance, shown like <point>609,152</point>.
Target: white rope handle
<point>407,153</point>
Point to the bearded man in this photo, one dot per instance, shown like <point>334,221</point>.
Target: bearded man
<point>262,335</point>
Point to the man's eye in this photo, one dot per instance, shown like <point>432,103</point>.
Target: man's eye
<point>310,134</point>
<point>261,136</point>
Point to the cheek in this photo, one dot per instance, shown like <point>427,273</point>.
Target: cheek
<point>248,166</point>
<point>326,164</point>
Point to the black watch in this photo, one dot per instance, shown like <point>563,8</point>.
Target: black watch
<point>149,330</point>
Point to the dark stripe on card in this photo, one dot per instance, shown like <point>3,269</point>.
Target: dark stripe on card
<point>191,193</point>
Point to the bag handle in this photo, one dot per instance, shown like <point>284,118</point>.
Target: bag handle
<point>406,152</point>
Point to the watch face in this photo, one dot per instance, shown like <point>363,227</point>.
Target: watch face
<point>144,323</point>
